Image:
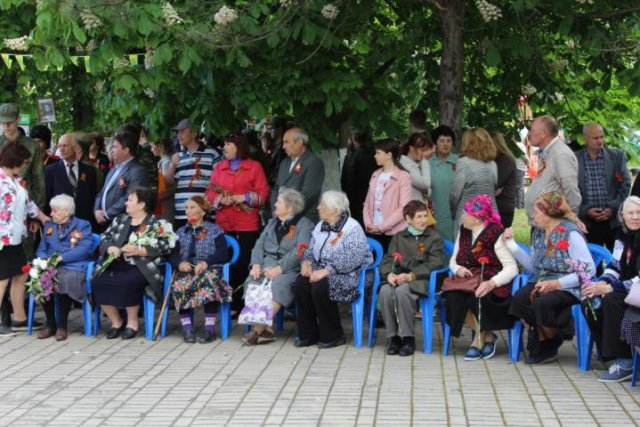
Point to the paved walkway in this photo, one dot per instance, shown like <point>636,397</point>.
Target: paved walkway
<point>91,382</point>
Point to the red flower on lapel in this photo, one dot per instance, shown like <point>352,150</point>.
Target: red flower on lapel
<point>298,168</point>
<point>83,177</point>
<point>618,177</point>
<point>122,183</point>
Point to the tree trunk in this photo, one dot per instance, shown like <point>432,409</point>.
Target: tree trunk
<point>450,101</point>
<point>82,105</point>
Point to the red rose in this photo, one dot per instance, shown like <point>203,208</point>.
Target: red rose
<point>5,240</point>
<point>191,220</point>
<point>302,247</point>
<point>161,230</point>
<point>26,269</point>
<point>483,260</point>
<point>561,229</point>
<point>397,256</point>
<point>562,244</point>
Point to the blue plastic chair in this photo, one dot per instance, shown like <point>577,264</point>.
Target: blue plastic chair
<point>86,307</point>
<point>224,312</point>
<point>358,308</point>
<point>636,366</point>
<point>514,334</point>
<point>148,305</point>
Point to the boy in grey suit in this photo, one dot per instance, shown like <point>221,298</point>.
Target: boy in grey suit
<point>126,174</point>
<point>301,170</point>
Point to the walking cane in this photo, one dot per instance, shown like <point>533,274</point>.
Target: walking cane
<point>164,307</point>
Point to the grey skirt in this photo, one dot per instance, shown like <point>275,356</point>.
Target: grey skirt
<point>72,283</point>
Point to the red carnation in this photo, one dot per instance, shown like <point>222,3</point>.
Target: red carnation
<point>562,244</point>
<point>561,229</point>
<point>26,269</point>
<point>302,247</point>
<point>397,256</point>
<point>191,220</point>
<point>483,260</point>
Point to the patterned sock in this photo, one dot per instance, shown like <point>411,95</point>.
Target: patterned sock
<point>185,321</point>
<point>209,322</point>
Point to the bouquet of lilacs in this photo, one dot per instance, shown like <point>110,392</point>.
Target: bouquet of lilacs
<point>42,277</point>
<point>580,268</point>
<point>145,237</point>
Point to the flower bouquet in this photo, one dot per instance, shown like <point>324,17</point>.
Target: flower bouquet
<point>42,277</point>
<point>580,268</point>
<point>145,237</point>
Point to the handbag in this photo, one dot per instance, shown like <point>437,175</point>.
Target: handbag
<point>633,297</point>
<point>258,304</point>
<point>461,284</point>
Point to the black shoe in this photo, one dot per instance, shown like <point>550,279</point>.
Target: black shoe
<point>408,346</point>
<point>304,342</point>
<point>335,343</point>
<point>114,333</point>
<point>129,334</point>
<point>24,325</point>
<point>189,337</point>
<point>394,346</point>
<point>206,337</point>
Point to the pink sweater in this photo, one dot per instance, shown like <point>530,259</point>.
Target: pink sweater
<point>397,193</point>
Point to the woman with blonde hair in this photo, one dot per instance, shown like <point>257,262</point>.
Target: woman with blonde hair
<point>507,179</point>
<point>476,172</point>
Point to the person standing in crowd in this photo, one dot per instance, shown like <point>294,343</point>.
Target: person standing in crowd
<point>301,170</point>
<point>389,192</point>
<point>126,174</point>
<point>82,144</point>
<point>237,191</point>
<point>406,279</point>
<point>163,150</point>
<point>443,169</point>
<point>145,156</point>
<point>276,151</point>
<point>15,206</point>
<point>476,172</point>
<point>507,180</point>
<point>415,160</point>
<point>417,122</point>
<point>42,136</point>
<point>357,169</point>
<point>557,165</point>
<point>255,150</point>
<point>604,183</point>
<point>73,178</point>
<point>191,168</point>
<point>97,154</point>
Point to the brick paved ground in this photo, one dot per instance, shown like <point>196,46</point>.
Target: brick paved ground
<point>92,382</point>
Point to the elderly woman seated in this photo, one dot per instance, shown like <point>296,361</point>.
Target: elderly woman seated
<point>422,251</point>
<point>201,251</point>
<point>135,268</point>
<point>544,305</point>
<point>275,258</point>
<point>69,238</point>
<point>613,288</point>
<point>338,250</point>
<point>479,250</point>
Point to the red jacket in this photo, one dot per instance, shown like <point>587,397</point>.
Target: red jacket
<point>248,180</point>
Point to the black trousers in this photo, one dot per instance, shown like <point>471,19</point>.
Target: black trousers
<point>209,308</point>
<point>383,239</point>
<point>49,308</point>
<point>240,270</point>
<point>606,329</point>
<point>601,233</point>
<point>551,310</point>
<point>318,316</point>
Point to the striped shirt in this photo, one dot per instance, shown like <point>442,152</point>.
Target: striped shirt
<point>193,174</point>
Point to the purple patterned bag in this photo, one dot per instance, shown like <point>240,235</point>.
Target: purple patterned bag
<point>258,304</point>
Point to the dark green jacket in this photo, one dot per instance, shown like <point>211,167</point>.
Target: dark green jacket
<point>150,162</point>
<point>420,255</point>
<point>33,174</point>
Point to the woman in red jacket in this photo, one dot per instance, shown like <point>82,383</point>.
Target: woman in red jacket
<point>237,191</point>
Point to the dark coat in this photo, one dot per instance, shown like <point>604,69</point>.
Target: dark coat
<point>57,182</point>
<point>132,175</point>
<point>420,255</point>
<point>357,169</point>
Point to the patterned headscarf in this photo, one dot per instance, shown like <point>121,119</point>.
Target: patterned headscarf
<point>554,205</point>
<point>481,207</point>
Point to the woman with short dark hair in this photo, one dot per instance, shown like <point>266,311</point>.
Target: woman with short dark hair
<point>15,206</point>
<point>443,170</point>
<point>415,160</point>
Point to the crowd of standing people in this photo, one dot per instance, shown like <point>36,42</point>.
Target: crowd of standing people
<point>266,192</point>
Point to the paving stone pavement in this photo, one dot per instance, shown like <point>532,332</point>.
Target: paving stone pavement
<point>95,382</point>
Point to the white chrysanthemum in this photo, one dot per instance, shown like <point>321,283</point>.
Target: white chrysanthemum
<point>150,93</point>
<point>170,15</point>
<point>225,15</point>
<point>488,11</point>
<point>148,59</point>
<point>528,89</point>
<point>330,11</point>
<point>89,20</point>
<point>20,44</point>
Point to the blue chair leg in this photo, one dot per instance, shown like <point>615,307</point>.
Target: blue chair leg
<point>582,338</point>
<point>96,320</point>
<point>427,307</point>
<point>446,329</point>
<point>636,366</point>
<point>86,317</point>
<point>225,320</point>
<point>31,309</point>
<point>515,341</point>
<point>280,320</point>
<point>149,311</point>
<point>357,312</point>
<point>371,339</point>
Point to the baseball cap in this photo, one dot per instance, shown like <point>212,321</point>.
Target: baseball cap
<point>9,112</point>
<point>184,124</point>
